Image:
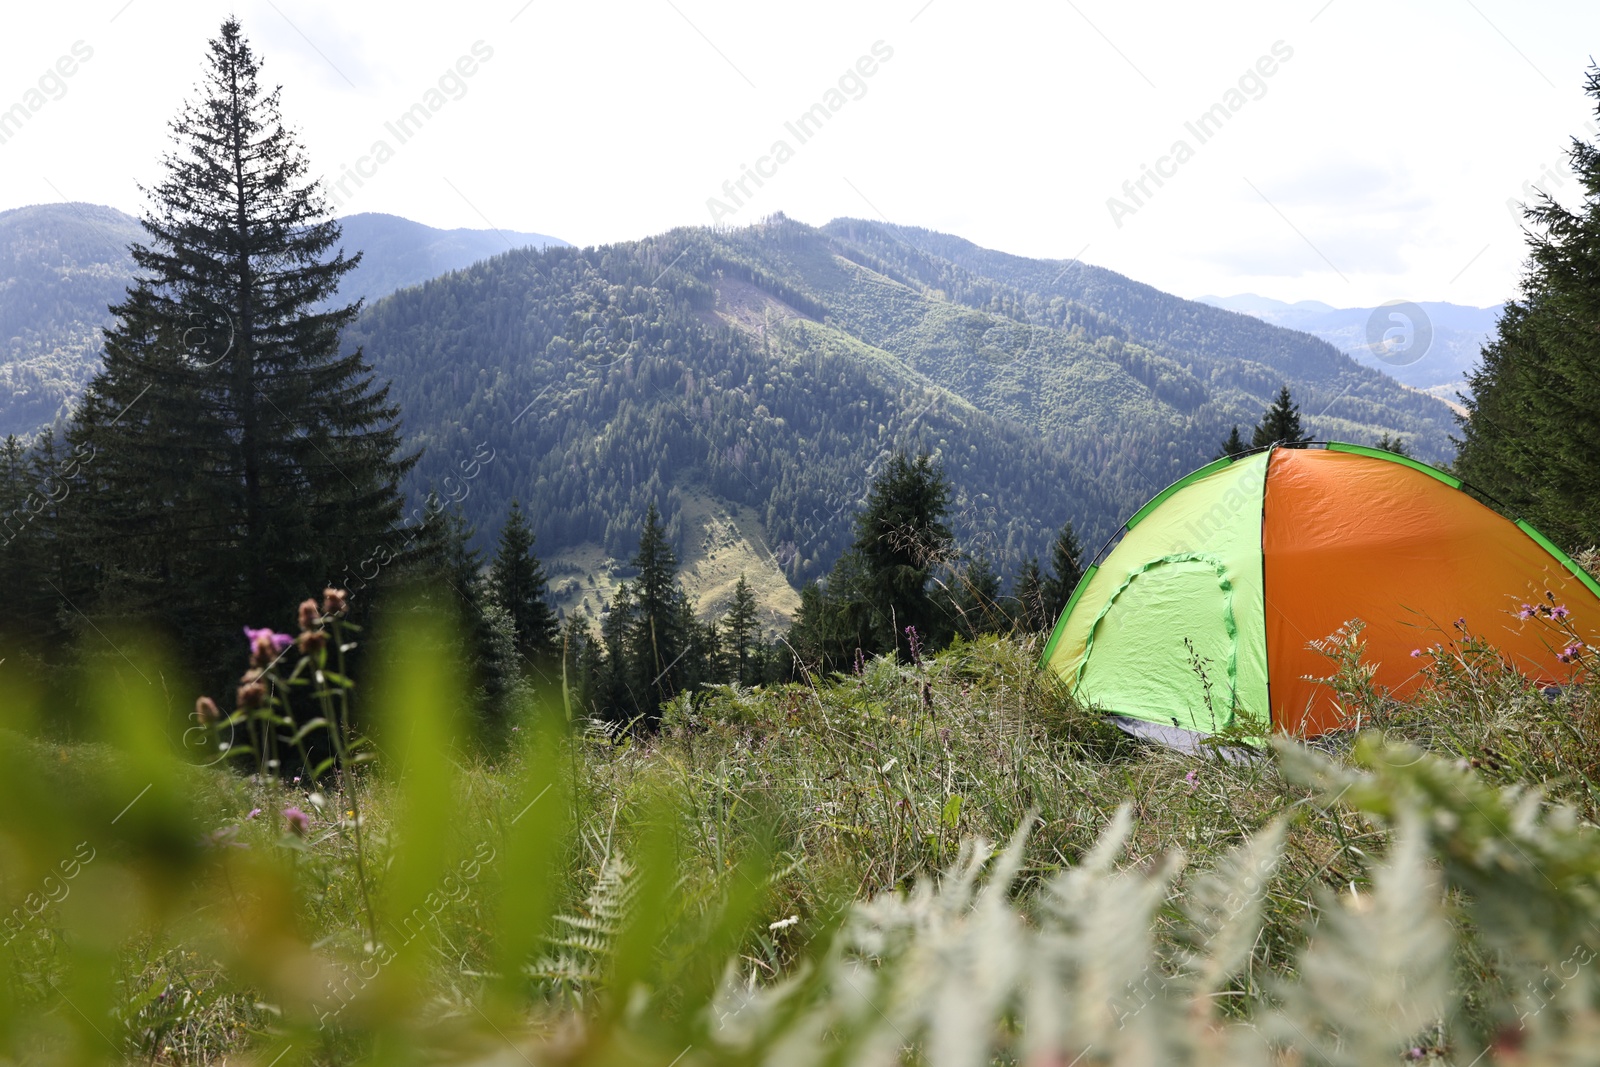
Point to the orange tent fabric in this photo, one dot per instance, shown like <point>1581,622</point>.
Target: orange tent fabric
<point>1356,536</point>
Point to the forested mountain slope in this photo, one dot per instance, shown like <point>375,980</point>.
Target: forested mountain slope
<point>63,265</point>
<point>775,367</point>
<point>60,266</point>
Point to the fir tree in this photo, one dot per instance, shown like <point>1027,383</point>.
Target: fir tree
<point>741,632</point>
<point>1066,557</point>
<point>900,539</point>
<point>1027,595</point>
<point>1533,402</point>
<point>1395,444</point>
<point>1234,445</point>
<point>657,642</point>
<point>240,459</point>
<point>517,581</point>
<point>976,597</point>
<point>1280,425</point>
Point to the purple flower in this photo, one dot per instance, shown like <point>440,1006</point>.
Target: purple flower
<point>1559,612</point>
<point>1525,612</point>
<point>1193,779</point>
<point>1415,653</point>
<point>298,821</point>
<point>253,813</point>
<point>1570,653</point>
<point>266,645</point>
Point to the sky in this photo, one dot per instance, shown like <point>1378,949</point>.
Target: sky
<point>1356,152</point>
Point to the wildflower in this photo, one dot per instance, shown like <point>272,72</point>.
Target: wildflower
<point>1461,623</point>
<point>1559,612</point>
<point>1193,778</point>
<point>311,642</point>
<point>299,822</point>
<point>309,614</point>
<point>251,695</point>
<point>782,924</point>
<point>334,601</point>
<point>205,709</point>
<point>1525,612</point>
<point>1571,653</point>
<point>266,645</point>
<point>1416,653</point>
<point>253,813</point>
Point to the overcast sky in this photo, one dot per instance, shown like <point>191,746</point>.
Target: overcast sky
<point>1363,151</point>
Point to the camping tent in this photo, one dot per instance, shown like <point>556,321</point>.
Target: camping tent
<point>1209,602</point>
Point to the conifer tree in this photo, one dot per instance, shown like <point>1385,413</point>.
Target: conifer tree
<point>1066,557</point>
<point>1234,444</point>
<point>741,632</point>
<point>657,642</point>
<point>1533,403</point>
<point>1027,596</point>
<point>976,597</point>
<point>517,581</point>
<point>1280,424</point>
<point>901,538</point>
<point>240,458</point>
<point>1395,444</point>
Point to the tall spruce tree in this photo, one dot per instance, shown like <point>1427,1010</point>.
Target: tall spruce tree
<point>741,635</point>
<point>1280,424</point>
<point>1066,559</point>
<point>1027,595</point>
<point>517,581</point>
<point>901,539</point>
<point>239,460</point>
<point>1533,403</point>
<point>1233,445</point>
<point>657,643</point>
<point>975,597</point>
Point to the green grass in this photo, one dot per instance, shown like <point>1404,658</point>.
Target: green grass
<point>798,873</point>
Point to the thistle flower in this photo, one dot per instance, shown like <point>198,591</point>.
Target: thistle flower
<point>311,641</point>
<point>298,822</point>
<point>205,710</point>
<point>1559,612</point>
<point>266,645</point>
<point>251,695</point>
<point>1571,653</point>
<point>334,601</point>
<point>309,614</point>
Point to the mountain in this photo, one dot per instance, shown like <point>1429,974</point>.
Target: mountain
<point>399,252</point>
<point>62,265</point>
<point>752,381</point>
<point>1433,352</point>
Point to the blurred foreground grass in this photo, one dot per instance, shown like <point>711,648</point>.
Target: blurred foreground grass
<point>807,874</point>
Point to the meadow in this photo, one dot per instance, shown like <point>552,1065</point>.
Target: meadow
<point>943,861</point>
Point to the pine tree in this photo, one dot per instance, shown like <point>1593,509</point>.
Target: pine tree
<point>1280,425</point>
<point>1066,557</point>
<point>517,582</point>
<point>901,539</point>
<point>657,642</point>
<point>1234,445</point>
<point>240,459</point>
<point>1533,403</point>
<point>976,597</point>
<point>1395,444</point>
<point>741,632</point>
<point>1027,595</point>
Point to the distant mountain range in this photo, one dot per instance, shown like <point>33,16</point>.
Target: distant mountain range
<point>1433,352</point>
<point>62,265</point>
